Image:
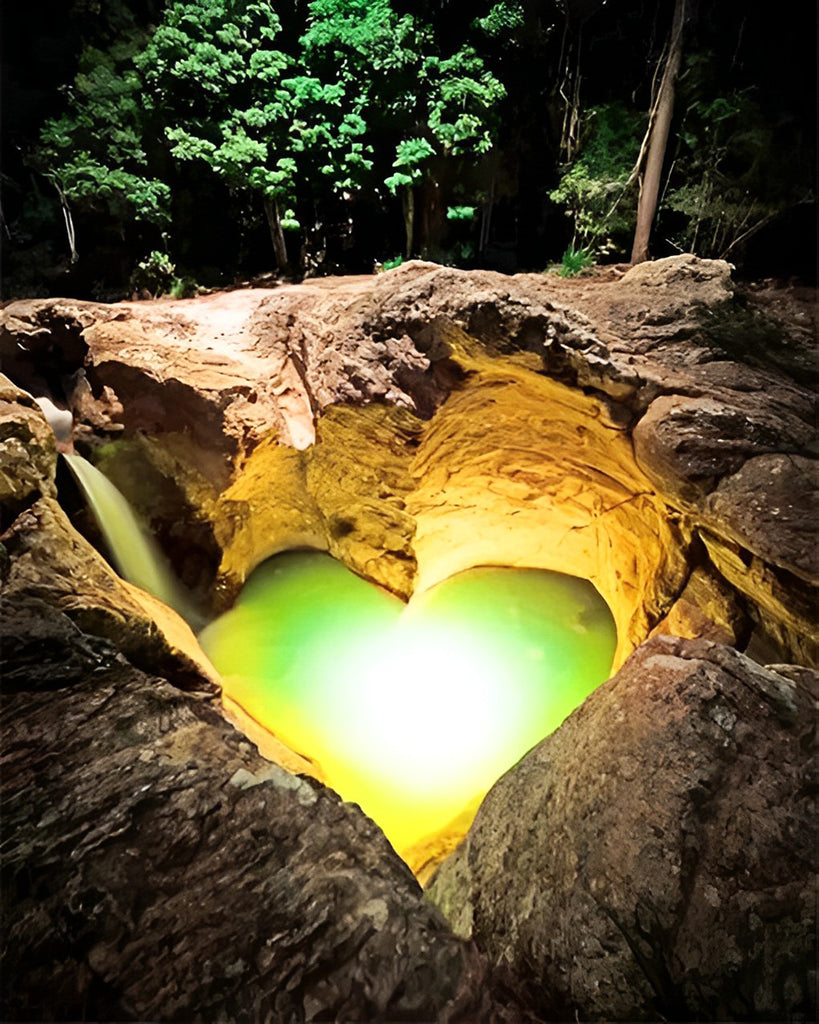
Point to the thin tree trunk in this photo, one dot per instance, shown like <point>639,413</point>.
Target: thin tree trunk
<point>569,92</point>
<point>409,216</point>
<point>274,221</point>
<point>68,219</point>
<point>486,218</point>
<point>657,138</point>
<point>432,218</point>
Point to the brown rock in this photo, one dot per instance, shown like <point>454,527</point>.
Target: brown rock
<point>597,415</point>
<point>50,561</point>
<point>156,868</point>
<point>653,858</point>
<point>28,454</point>
<point>707,282</point>
<point>685,445</point>
<point>769,506</point>
<point>709,608</point>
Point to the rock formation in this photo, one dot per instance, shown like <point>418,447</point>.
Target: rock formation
<point>620,431</point>
<point>649,431</point>
<point>664,835</point>
<point>155,866</point>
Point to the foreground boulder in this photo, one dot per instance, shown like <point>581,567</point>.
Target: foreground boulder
<point>157,868</point>
<point>653,858</point>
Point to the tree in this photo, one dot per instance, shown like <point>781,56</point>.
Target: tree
<point>652,155</point>
<point>420,104</point>
<point>214,76</point>
<point>93,154</point>
<point>596,187</point>
<point>727,181</point>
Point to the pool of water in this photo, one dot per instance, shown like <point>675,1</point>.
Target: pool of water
<point>412,710</point>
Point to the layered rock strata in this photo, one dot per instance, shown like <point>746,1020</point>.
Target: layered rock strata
<point>607,429</point>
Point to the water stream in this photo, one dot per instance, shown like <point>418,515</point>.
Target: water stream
<point>136,555</point>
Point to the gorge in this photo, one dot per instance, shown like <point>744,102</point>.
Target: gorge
<point>649,432</point>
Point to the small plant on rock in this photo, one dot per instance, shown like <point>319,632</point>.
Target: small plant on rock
<point>574,261</point>
<point>154,274</point>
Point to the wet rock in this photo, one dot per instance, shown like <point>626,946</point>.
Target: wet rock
<point>647,860</point>
<point>653,858</point>
<point>46,560</point>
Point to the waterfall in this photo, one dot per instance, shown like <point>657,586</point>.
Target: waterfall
<point>135,553</point>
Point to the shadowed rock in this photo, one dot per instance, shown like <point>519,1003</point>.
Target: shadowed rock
<point>155,867</point>
<point>653,858</point>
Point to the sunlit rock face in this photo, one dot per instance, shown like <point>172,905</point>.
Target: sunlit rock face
<point>422,421</point>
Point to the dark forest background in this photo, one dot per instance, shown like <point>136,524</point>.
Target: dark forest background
<point>152,146</point>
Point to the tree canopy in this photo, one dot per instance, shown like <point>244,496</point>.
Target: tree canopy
<point>215,138</point>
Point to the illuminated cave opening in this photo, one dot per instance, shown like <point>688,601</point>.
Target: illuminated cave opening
<point>410,710</point>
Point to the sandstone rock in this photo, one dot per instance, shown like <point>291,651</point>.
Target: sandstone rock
<point>50,561</point>
<point>769,506</point>
<point>156,868</point>
<point>653,858</point>
<point>27,452</point>
<point>708,607</point>
<point>46,559</point>
<point>648,859</point>
<point>686,445</point>
<point>220,396</point>
<point>705,281</point>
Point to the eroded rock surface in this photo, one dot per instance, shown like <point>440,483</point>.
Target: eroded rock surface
<point>28,452</point>
<point>654,858</point>
<point>611,420</point>
<point>651,859</point>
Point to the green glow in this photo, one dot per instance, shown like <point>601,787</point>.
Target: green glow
<point>411,710</point>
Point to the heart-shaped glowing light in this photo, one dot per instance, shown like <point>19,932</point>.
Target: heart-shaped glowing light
<point>413,710</point>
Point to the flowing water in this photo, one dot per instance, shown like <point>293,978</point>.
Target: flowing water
<point>135,553</point>
<point>412,711</point>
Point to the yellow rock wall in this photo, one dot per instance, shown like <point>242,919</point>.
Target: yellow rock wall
<point>515,469</point>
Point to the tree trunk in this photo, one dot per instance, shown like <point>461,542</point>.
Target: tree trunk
<point>486,218</point>
<point>68,219</point>
<point>409,217</point>
<point>433,221</point>
<point>657,138</point>
<point>274,221</point>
